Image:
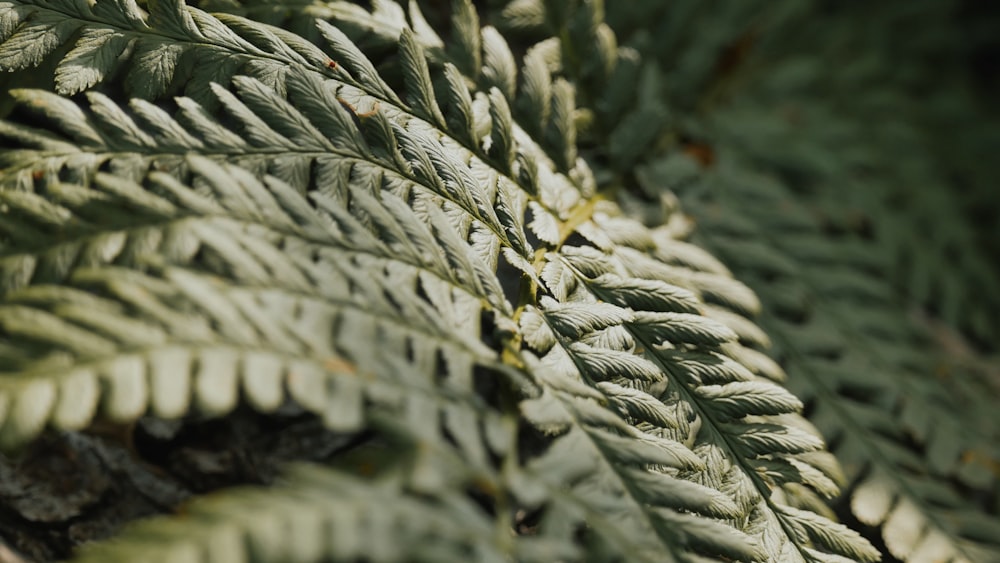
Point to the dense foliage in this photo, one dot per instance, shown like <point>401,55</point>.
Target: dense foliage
<point>542,282</point>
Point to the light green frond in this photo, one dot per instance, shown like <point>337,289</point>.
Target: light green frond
<point>408,146</point>
<point>143,323</point>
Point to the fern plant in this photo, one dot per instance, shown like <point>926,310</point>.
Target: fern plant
<point>389,220</point>
<point>915,444</point>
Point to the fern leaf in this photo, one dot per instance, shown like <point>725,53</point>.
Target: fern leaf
<point>419,88</point>
<point>466,52</point>
<point>386,223</point>
<point>320,513</point>
<point>739,441</point>
<point>831,368</point>
<point>235,250</point>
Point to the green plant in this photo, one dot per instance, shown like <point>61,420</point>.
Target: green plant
<point>462,255</point>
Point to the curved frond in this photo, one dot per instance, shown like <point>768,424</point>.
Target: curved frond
<point>467,248</point>
<point>856,357</point>
<point>140,319</point>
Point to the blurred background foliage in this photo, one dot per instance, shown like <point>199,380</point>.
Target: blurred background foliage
<point>888,109</point>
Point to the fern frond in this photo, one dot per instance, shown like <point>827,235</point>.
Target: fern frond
<point>645,466</point>
<point>245,322</point>
<point>372,30</point>
<point>395,233</point>
<point>732,430</point>
<point>394,133</point>
<point>308,157</point>
<point>736,238</point>
<point>737,442</point>
<point>317,513</point>
<point>866,418</point>
<point>654,430</point>
<point>143,328</point>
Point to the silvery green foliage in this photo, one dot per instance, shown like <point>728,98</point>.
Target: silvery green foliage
<point>906,420</point>
<point>295,225</point>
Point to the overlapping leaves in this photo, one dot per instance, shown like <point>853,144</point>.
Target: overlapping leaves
<point>357,278</point>
<point>865,368</point>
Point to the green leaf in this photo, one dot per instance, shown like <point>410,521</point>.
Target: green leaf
<point>746,398</point>
<point>419,88</point>
<point>466,49</point>
<point>832,536</point>
<point>499,67</point>
<point>90,61</point>
<point>682,328</point>
<point>33,40</point>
